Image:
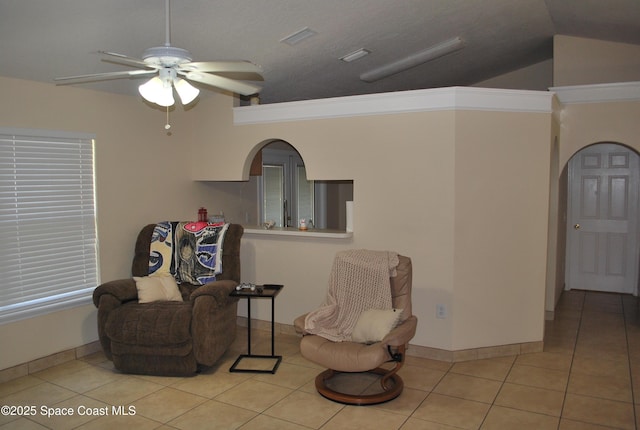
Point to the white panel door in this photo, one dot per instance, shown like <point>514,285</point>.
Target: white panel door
<point>602,219</point>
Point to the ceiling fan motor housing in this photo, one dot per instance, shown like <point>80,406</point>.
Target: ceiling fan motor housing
<point>166,56</point>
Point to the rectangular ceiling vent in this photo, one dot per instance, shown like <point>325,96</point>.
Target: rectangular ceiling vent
<point>298,36</point>
<point>353,56</point>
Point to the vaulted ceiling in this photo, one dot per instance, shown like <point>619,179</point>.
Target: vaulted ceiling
<point>41,40</point>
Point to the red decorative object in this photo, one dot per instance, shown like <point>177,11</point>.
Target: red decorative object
<point>202,214</point>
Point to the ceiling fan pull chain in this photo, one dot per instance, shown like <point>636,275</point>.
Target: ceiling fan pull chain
<point>167,126</point>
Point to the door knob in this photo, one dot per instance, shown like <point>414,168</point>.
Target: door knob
<point>576,226</point>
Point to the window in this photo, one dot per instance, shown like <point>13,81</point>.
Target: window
<point>273,200</point>
<point>286,194</point>
<point>48,258</point>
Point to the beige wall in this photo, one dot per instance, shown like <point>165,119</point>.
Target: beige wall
<point>560,244</point>
<point>439,187</point>
<point>579,61</point>
<point>556,234</point>
<point>587,123</point>
<point>537,76</point>
<point>501,212</point>
<point>142,176</point>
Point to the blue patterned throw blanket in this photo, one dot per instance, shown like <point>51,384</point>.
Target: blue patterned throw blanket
<point>190,251</point>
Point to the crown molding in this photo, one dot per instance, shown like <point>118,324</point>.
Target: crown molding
<point>598,93</point>
<point>436,99</point>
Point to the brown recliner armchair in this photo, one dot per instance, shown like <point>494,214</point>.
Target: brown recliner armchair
<point>170,338</point>
<point>350,357</point>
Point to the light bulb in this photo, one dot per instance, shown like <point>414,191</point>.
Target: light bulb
<point>185,90</point>
<point>149,90</point>
<point>165,96</point>
<point>158,91</point>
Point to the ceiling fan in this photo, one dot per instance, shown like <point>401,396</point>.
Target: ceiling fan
<point>173,67</point>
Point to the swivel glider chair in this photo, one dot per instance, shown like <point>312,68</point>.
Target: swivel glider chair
<point>380,336</point>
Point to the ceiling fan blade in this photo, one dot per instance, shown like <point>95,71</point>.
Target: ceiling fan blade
<point>103,76</point>
<point>241,76</point>
<point>123,59</point>
<point>224,83</point>
<point>221,66</point>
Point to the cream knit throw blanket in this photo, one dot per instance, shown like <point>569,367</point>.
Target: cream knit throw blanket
<point>359,281</point>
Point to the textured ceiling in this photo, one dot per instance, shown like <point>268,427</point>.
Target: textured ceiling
<point>41,40</point>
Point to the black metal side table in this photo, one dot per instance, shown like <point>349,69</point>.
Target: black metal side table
<point>267,291</point>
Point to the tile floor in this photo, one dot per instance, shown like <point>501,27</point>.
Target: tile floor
<point>588,377</point>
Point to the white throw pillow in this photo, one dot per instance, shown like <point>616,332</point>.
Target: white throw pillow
<point>157,288</point>
<point>374,324</point>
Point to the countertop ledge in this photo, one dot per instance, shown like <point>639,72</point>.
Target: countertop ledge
<point>279,231</point>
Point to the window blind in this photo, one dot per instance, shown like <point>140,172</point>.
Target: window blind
<point>48,257</point>
<point>273,194</point>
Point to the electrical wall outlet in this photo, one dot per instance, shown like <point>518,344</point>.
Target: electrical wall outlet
<point>441,311</point>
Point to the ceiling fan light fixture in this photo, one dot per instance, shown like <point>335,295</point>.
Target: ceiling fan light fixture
<point>156,91</point>
<point>185,90</point>
<point>149,89</point>
<point>165,97</point>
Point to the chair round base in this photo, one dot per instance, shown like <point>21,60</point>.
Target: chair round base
<point>393,382</point>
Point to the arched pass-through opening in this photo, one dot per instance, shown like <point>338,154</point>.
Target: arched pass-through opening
<point>287,198</point>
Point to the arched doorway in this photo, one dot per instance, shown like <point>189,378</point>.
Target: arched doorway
<point>602,219</point>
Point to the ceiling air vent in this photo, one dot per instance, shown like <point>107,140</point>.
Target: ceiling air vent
<point>298,36</point>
